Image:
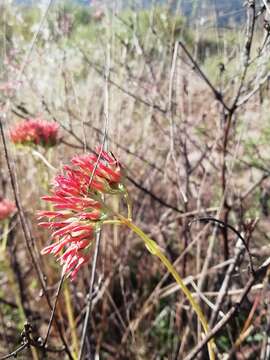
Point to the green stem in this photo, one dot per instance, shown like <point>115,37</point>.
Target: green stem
<point>129,205</point>
<point>5,234</point>
<point>155,250</point>
<point>71,320</point>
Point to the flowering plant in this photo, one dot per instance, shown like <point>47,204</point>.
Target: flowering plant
<point>78,207</point>
<point>79,210</point>
<point>35,132</point>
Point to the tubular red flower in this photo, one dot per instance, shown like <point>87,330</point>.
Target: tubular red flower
<point>35,132</point>
<point>73,263</point>
<point>7,207</point>
<point>77,207</point>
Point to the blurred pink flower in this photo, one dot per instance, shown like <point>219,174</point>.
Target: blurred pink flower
<point>78,207</point>
<point>98,14</point>
<point>35,131</point>
<point>9,87</point>
<point>7,207</point>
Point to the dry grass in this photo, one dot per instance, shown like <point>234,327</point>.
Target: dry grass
<point>166,147</point>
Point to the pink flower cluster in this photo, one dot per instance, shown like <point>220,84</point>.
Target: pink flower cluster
<point>78,208</point>
<point>7,208</point>
<point>9,87</point>
<point>35,131</point>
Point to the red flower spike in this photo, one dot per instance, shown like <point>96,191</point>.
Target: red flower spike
<point>7,208</point>
<point>35,132</point>
<point>77,207</point>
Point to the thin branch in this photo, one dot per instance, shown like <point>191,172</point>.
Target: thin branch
<point>28,341</point>
<point>216,93</point>
<point>221,223</point>
<point>98,237</point>
<point>223,291</point>
<point>90,297</point>
<point>259,274</point>
<point>251,16</point>
<point>15,353</point>
<point>53,310</point>
<point>121,88</point>
<point>34,39</point>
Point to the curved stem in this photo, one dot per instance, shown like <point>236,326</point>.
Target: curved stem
<point>155,250</point>
<point>71,320</point>
<point>129,205</point>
